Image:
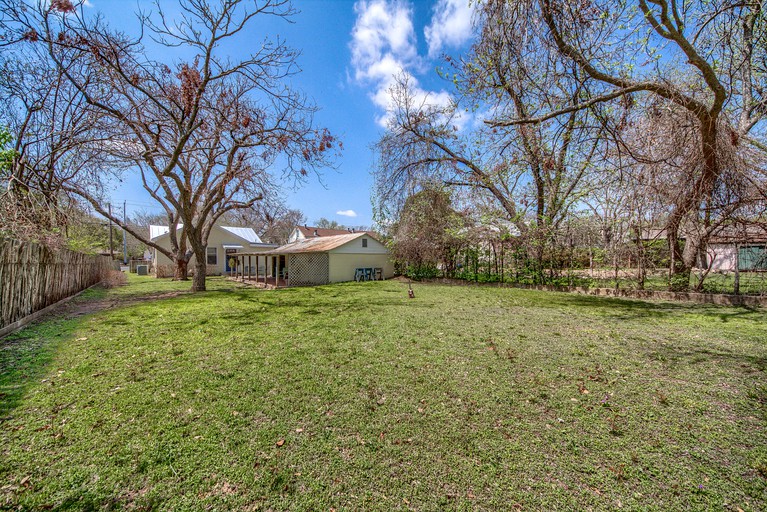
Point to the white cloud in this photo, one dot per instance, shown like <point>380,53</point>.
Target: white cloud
<point>383,32</point>
<point>347,213</point>
<point>383,45</point>
<point>450,25</point>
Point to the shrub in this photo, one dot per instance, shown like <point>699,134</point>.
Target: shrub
<point>114,278</point>
<point>418,272</point>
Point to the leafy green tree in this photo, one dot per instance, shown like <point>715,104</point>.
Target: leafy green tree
<point>427,234</point>
<point>329,224</point>
<point>6,153</point>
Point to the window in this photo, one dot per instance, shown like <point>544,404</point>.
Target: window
<point>212,256</point>
<point>364,242</point>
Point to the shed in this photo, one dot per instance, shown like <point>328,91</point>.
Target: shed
<point>321,260</point>
<point>738,246</point>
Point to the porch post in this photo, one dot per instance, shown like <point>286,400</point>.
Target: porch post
<point>249,267</point>
<point>276,271</point>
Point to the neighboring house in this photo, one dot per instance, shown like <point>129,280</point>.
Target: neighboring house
<point>323,259</point>
<point>223,242</point>
<point>733,246</point>
<point>743,247</point>
<point>304,232</point>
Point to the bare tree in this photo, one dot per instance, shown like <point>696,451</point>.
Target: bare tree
<point>533,173</point>
<point>53,134</point>
<point>699,59</point>
<point>203,137</point>
<point>271,218</point>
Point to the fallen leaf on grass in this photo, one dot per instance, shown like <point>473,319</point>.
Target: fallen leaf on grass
<point>299,430</point>
<point>82,339</point>
<point>280,442</point>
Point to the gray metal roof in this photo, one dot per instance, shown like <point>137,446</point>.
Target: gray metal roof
<point>245,233</point>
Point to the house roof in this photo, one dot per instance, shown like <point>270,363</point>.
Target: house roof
<point>742,234</point>
<point>309,231</point>
<point>314,244</point>
<point>728,234</point>
<point>155,231</point>
<point>247,234</point>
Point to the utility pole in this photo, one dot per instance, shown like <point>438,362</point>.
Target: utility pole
<point>125,240</point>
<point>111,244</point>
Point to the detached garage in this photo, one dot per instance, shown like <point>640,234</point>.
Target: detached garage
<point>321,260</point>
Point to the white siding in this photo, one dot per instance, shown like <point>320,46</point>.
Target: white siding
<point>724,257</point>
<point>355,247</point>
<point>218,238</point>
<point>342,266</point>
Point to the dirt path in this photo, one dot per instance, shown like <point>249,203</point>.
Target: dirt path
<point>84,306</point>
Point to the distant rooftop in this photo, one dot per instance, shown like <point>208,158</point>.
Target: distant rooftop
<point>311,231</point>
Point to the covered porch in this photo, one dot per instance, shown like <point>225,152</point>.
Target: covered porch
<point>260,269</point>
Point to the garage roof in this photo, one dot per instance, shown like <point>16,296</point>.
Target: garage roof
<point>318,244</point>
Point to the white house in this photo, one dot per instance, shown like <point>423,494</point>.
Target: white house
<point>223,243</point>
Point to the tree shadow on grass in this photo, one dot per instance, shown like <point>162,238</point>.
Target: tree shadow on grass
<point>26,356</point>
<point>690,356</point>
<point>628,309</point>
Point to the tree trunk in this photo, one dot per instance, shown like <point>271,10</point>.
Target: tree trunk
<point>182,269</point>
<point>679,271</point>
<point>200,269</point>
<point>736,284</point>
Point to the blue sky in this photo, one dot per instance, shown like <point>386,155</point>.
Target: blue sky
<point>350,50</point>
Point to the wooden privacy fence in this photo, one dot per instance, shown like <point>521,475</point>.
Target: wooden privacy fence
<point>33,277</point>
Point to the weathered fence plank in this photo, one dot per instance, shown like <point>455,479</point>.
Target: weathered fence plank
<point>33,277</point>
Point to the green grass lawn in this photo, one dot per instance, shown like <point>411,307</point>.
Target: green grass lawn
<point>354,397</point>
